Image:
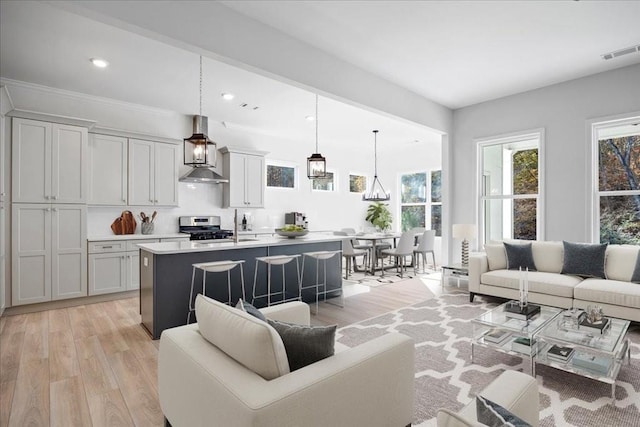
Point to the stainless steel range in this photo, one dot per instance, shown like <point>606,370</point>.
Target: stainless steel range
<point>203,228</point>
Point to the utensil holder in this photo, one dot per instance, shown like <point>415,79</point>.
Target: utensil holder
<point>147,228</point>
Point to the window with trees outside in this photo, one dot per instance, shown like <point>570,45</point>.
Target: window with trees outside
<point>509,187</point>
<point>617,183</point>
<point>419,207</point>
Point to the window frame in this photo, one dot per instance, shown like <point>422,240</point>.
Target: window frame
<point>503,139</point>
<point>594,169</point>
<point>428,203</point>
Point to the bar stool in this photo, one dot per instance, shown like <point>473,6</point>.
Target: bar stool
<point>214,267</point>
<point>320,256</point>
<point>281,260</point>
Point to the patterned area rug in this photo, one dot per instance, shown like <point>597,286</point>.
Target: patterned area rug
<point>445,377</point>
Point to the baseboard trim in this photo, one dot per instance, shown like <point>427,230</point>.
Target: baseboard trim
<point>53,305</point>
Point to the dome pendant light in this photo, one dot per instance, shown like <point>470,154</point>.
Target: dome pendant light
<point>377,192</point>
<point>316,164</point>
<point>199,150</point>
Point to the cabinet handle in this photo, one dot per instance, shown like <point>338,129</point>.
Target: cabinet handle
<point>122,257</point>
<point>107,247</point>
<point>55,209</point>
<point>47,197</point>
<point>123,200</point>
<point>48,210</point>
<point>54,197</point>
<point>156,201</point>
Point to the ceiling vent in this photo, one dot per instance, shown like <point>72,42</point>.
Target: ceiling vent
<point>621,52</point>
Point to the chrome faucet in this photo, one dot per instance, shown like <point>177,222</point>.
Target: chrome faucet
<point>235,226</point>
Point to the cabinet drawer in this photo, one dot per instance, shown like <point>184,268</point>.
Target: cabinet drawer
<point>132,245</point>
<point>107,246</point>
<point>175,239</point>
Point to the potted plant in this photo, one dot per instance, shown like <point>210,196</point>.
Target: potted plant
<point>378,214</point>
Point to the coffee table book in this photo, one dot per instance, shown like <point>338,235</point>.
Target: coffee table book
<point>592,362</point>
<point>523,345</point>
<point>597,328</point>
<point>496,336</point>
<point>561,354</point>
<point>514,311</point>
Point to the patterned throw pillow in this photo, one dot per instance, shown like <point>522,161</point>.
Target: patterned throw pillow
<point>305,344</point>
<point>494,415</point>
<point>584,259</point>
<point>520,256</point>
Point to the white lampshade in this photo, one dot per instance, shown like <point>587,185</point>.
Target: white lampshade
<point>464,231</point>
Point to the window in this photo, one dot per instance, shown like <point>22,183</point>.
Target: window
<point>617,182</point>
<point>510,174</point>
<point>324,184</point>
<point>280,176</point>
<point>419,208</point>
<point>357,183</point>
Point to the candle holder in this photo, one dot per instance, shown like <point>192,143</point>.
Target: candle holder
<point>523,283</point>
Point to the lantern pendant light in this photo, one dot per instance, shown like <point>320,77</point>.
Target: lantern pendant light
<point>377,192</point>
<point>316,164</point>
<point>199,150</point>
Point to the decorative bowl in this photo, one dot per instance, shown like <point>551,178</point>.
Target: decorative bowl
<point>291,234</point>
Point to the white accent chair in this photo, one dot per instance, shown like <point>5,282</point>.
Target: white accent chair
<point>200,385</point>
<point>426,244</point>
<point>512,390</point>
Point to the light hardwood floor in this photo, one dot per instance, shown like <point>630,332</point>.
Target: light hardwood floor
<point>94,365</point>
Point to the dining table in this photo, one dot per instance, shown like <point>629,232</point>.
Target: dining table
<point>374,238</point>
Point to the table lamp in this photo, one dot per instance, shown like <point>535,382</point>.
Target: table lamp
<point>464,232</point>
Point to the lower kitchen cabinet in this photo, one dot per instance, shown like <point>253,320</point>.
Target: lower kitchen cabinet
<point>49,256</point>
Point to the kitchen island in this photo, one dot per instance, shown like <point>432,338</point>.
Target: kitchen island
<point>166,270</point>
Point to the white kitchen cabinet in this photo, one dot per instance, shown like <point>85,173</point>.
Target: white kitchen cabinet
<point>49,162</point>
<point>246,174</point>
<point>48,253</point>
<point>153,173</point>
<point>107,170</point>
<point>114,266</point>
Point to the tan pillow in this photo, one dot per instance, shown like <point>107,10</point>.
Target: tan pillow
<point>249,341</point>
<point>620,261</point>
<point>548,256</point>
<point>496,256</point>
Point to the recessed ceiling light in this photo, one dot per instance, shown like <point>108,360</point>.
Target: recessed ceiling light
<point>228,96</point>
<point>100,63</point>
<point>310,118</point>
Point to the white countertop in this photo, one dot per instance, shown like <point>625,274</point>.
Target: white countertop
<point>136,237</point>
<point>168,248</point>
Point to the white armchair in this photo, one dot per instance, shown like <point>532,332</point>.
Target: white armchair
<point>200,385</point>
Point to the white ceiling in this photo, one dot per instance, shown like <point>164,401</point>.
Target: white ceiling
<point>455,53</point>
<point>459,53</point>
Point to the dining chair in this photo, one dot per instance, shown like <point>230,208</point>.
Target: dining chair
<point>404,249</point>
<point>426,244</point>
<point>350,255</point>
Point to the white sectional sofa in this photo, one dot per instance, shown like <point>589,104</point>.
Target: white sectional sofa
<point>617,295</point>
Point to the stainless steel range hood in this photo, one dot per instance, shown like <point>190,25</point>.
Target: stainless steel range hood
<point>203,175</point>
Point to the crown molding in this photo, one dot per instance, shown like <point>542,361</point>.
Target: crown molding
<point>86,97</point>
<point>135,135</point>
<point>6,103</point>
<point>35,115</point>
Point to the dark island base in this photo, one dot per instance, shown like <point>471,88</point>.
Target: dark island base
<point>166,280</point>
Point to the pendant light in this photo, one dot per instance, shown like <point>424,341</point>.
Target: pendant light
<point>199,150</point>
<point>316,164</point>
<point>377,192</point>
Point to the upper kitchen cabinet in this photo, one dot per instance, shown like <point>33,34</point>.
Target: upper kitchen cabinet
<point>49,162</point>
<point>246,174</point>
<point>153,173</point>
<point>108,170</point>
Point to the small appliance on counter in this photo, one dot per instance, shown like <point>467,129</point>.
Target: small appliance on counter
<point>296,218</point>
<point>203,228</point>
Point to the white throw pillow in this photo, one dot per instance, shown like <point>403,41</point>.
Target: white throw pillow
<point>246,339</point>
<point>496,256</point>
<point>548,256</point>
<point>620,261</point>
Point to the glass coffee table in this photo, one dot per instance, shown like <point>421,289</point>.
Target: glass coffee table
<point>496,331</point>
<point>596,356</point>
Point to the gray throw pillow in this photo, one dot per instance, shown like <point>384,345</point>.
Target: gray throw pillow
<point>584,259</point>
<point>305,344</point>
<point>520,256</point>
<point>636,273</point>
<point>250,309</point>
<point>494,415</point>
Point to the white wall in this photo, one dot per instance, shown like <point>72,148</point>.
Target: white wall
<point>563,110</point>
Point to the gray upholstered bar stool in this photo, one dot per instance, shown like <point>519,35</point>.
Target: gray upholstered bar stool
<point>320,256</point>
<point>280,260</point>
<point>214,267</point>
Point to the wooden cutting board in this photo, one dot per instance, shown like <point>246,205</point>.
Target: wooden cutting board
<point>124,224</point>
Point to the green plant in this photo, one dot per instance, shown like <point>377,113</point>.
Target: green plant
<point>379,215</point>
